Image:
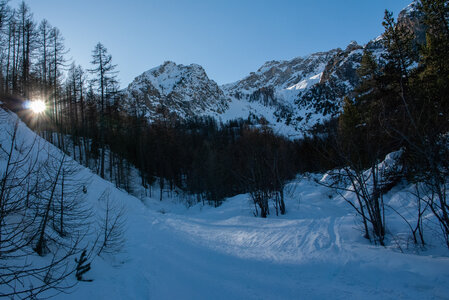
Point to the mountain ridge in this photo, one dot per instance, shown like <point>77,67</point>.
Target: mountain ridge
<point>292,95</point>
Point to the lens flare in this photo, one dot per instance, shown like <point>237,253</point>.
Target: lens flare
<point>37,106</point>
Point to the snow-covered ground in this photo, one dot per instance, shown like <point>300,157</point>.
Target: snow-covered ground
<point>315,251</point>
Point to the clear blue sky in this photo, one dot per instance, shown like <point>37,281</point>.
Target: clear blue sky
<point>229,38</point>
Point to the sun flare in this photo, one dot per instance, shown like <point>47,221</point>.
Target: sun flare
<point>37,106</point>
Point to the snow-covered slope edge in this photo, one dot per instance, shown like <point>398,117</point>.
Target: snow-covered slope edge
<point>104,267</point>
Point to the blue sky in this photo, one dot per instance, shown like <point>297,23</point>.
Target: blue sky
<point>229,38</point>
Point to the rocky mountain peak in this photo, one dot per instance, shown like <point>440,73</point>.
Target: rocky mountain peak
<point>411,18</point>
<point>353,46</point>
<point>297,93</point>
<point>175,88</point>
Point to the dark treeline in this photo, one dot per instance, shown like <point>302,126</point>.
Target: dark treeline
<point>199,157</point>
<point>204,158</point>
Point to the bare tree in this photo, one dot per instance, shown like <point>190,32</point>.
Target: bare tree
<point>41,243</point>
<point>19,275</point>
<point>111,225</point>
<point>104,77</point>
<point>69,206</point>
<point>41,212</point>
<point>15,190</point>
<point>362,191</point>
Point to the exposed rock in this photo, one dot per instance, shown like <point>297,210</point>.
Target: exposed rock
<point>411,18</point>
<point>184,90</point>
<point>298,93</point>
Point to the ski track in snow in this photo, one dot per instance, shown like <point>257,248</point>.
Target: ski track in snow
<point>314,252</point>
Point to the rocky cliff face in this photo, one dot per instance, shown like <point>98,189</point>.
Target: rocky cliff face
<point>339,79</point>
<point>291,75</point>
<point>304,91</point>
<point>411,18</point>
<point>175,89</point>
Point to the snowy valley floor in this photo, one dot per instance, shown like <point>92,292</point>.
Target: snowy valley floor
<point>316,251</point>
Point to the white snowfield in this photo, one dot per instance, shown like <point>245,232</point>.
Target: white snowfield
<point>315,251</point>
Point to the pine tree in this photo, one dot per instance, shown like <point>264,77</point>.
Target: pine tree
<point>434,78</point>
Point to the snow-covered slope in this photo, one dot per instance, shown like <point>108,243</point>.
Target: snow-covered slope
<point>295,74</point>
<point>277,85</point>
<point>315,251</point>
<point>303,91</point>
<point>30,153</point>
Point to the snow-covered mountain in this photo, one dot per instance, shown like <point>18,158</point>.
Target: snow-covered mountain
<point>277,84</point>
<point>292,95</point>
<point>305,90</point>
<point>172,88</point>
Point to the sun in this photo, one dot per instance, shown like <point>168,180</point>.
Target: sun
<point>37,106</point>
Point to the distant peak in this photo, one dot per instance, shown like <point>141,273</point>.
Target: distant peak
<point>410,11</point>
<point>169,63</point>
<point>353,45</point>
<point>171,67</point>
<point>411,7</point>
<point>196,67</point>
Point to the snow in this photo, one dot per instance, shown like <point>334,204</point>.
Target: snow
<point>241,109</point>
<point>195,94</point>
<point>225,253</point>
<point>411,7</point>
<point>306,82</point>
<point>164,77</point>
<point>315,251</point>
<point>184,90</point>
<point>288,78</point>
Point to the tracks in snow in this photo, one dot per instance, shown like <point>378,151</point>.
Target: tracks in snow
<point>276,240</point>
